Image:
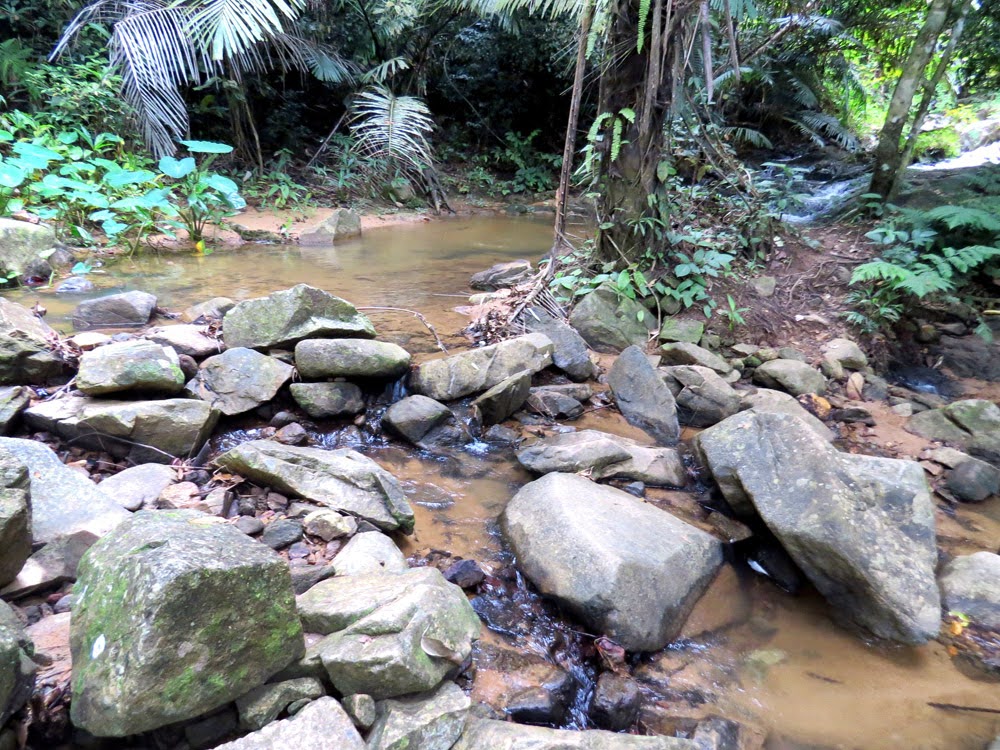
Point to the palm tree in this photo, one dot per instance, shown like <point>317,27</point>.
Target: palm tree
<point>161,47</point>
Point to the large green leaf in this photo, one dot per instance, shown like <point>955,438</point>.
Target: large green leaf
<point>207,147</point>
<point>177,168</point>
<point>123,178</point>
<point>223,184</point>
<point>10,176</point>
<point>34,152</point>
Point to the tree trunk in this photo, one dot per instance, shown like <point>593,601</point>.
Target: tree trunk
<point>888,154</point>
<point>927,97</point>
<point>635,97</point>
<point>569,145</point>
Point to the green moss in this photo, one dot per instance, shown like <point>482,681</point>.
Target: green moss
<point>176,688</point>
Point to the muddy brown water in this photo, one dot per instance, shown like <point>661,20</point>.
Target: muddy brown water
<point>749,652</point>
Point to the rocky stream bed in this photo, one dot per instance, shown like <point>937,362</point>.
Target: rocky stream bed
<point>261,524</point>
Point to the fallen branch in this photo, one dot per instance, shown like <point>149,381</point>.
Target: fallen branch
<point>418,316</point>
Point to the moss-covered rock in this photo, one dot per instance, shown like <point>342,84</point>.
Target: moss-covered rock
<point>21,244</point>
<point>328,400</point>
<point>610,324</point>
<point>126,366</point>
<point>350,358</point>
<point>176,614</point>
<point>284,318</point>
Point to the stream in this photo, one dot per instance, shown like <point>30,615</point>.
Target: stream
<point>749,652</point>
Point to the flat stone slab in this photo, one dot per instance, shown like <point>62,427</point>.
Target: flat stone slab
<point>321,724</point>
<point>483,734</point>
<point>340,479</point>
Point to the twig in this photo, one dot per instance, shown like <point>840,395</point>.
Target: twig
<point>418,316</point>
<point>956,707</point>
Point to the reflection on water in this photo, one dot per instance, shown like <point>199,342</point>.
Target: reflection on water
<point>413,266</point>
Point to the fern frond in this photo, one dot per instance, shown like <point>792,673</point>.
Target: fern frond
<point>964,217</point>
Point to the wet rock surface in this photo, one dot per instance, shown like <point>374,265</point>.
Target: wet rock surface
<point>642,396</point>
<point>238,380</point>
<point>25,354</point>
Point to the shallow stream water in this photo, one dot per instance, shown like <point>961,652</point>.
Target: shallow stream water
<point>750,652</point>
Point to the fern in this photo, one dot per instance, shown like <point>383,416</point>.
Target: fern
<point>643,15</point>
<point>964,217</point>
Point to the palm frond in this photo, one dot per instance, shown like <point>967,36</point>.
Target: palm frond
<point>392,127</point>
<point>233,28</point>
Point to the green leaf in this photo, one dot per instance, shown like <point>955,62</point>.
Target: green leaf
<point>177,168</point>
<point>113,227</point>
<point>123,178</point>
<point>68,137</point>
<point>36,153</point>
<point>10,176</point>
<point>207,147</point>
<point>81,268</point>
<point>6,136</point>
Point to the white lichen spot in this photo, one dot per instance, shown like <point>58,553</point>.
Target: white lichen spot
<point>98,647</point>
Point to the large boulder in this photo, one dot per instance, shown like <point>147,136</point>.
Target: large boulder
<point>25,341</point>
<point>480,734</point>
<point>426,423</point>
<point>63,501</point>
<point>369,553</point>
<point>769,401</point>
<point>430,721</point>
<point>703,397</point>
<point>125,310</point>
<point>970,584</point>
<point>130,366</point>
<point>389,634</point>
<point>15,516</point>
<point>285,318</point>
<point>239,380</point>
<point>477,370</point>
<point>145,431</point>
<point>340,479</point>
<point>176,614</point>
<point>790,375</point>
<point>609,323</point>
<point>343,224</point>
<point>21,244</point>
<point>642,397</point>
<point>628,569</point>
<point>350,358</point>
<point>570,353</point>
<point>321,724</point>
<point>860,527</point>
<point>973,425</point>
<point>17,670</point>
